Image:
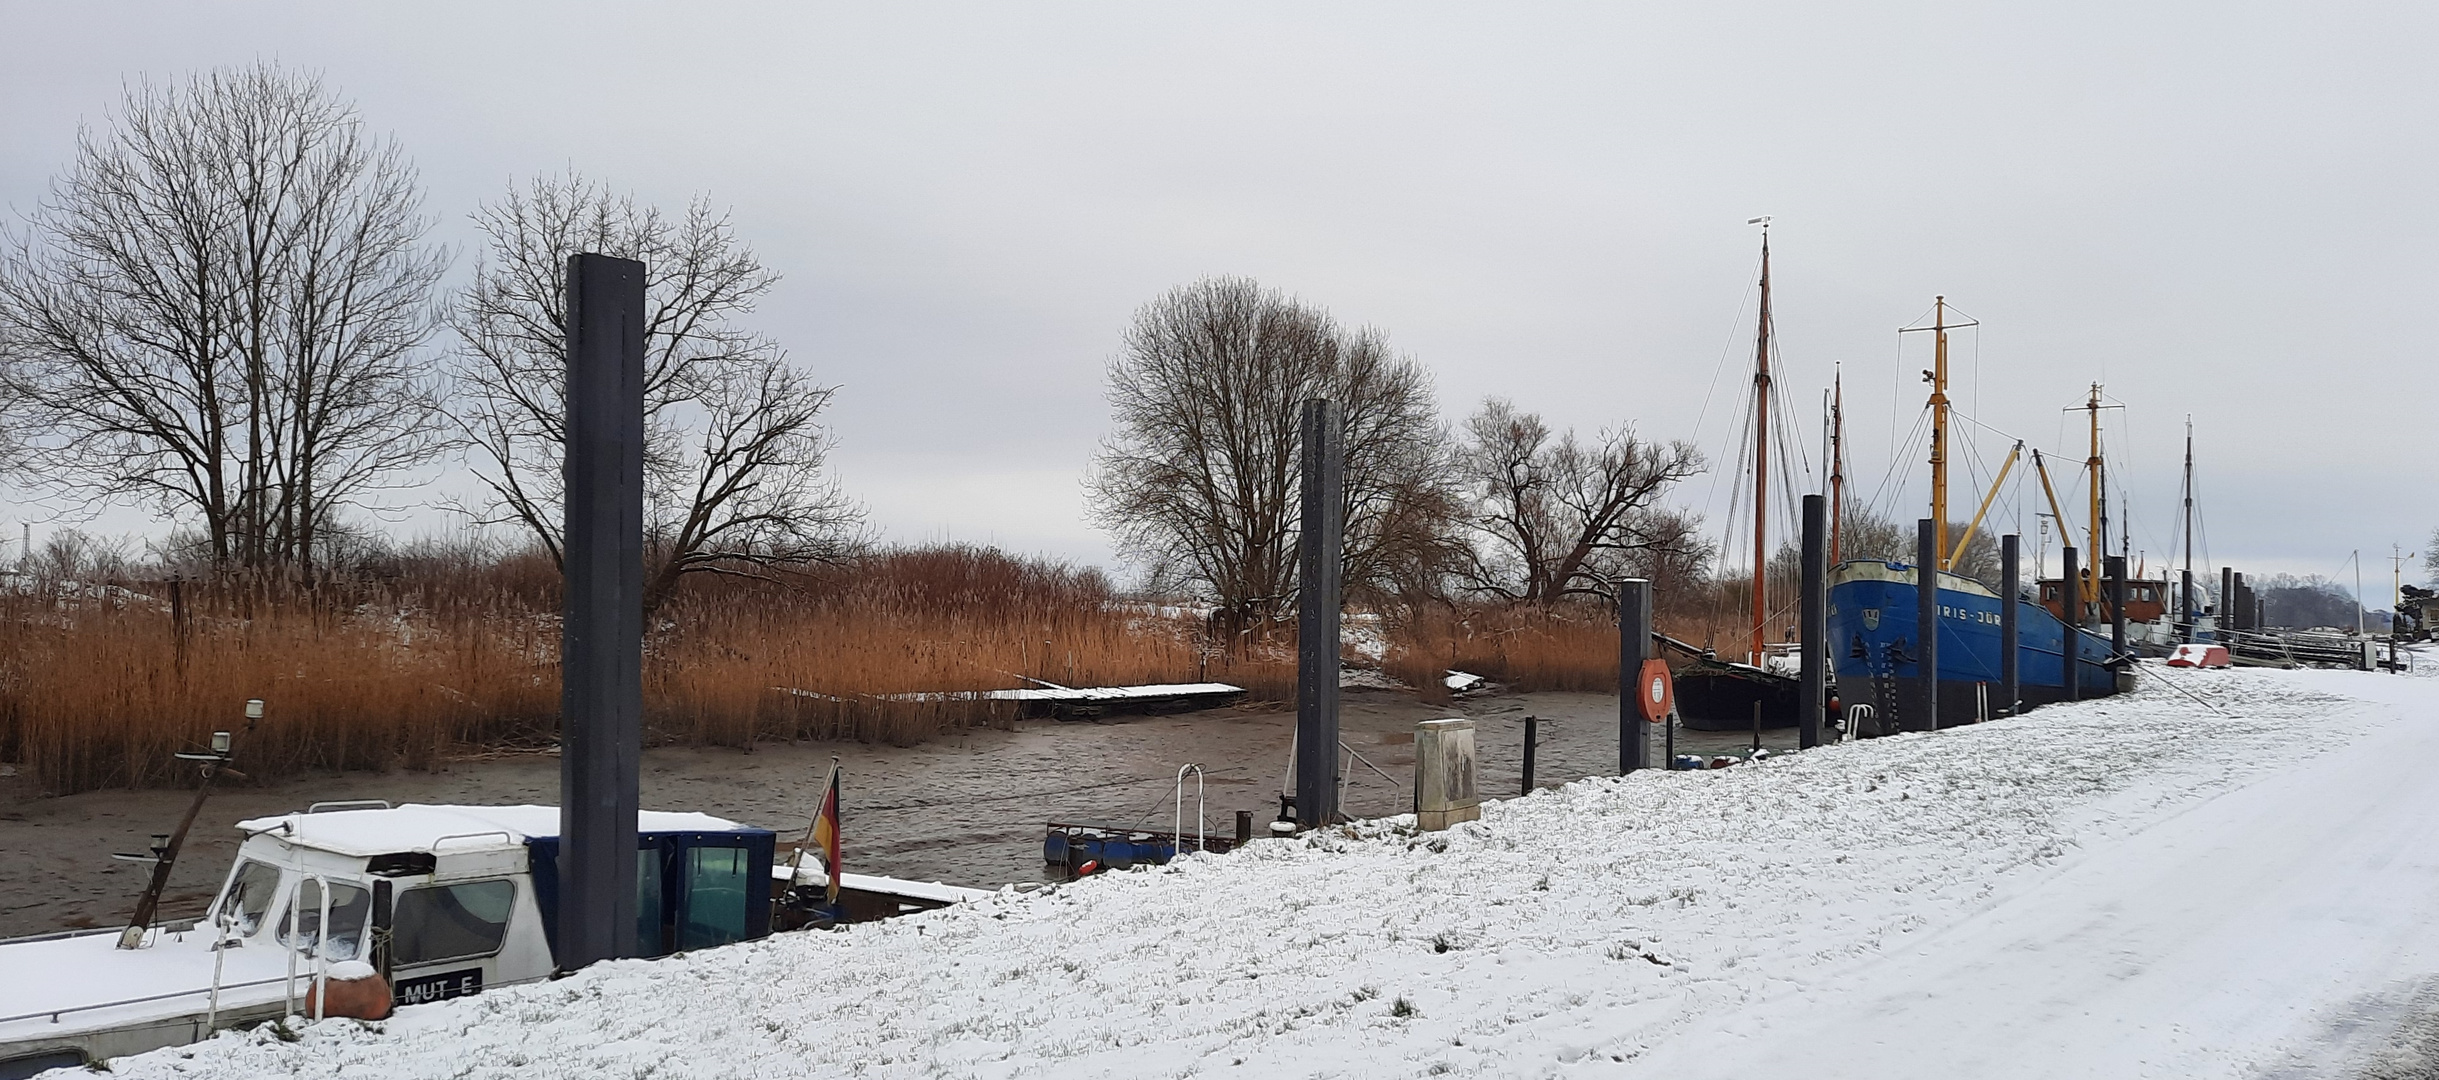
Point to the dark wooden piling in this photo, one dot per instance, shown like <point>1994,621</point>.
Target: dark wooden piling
<point>1926,624</point>
<point>2116,565</point>
<point>1317,604</point>
<point>2011,566</point>
<point>2070,593</point>
<point>1634,647</point>
<point>1812,629</point>
<point>1532,735</point>
<point>601,688</point>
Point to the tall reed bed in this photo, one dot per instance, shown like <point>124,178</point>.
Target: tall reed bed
<point>102,680</point>
<point>414,658</point>
<point>1569,647</point>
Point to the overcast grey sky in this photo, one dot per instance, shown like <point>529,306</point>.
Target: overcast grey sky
<point>2218,209</point>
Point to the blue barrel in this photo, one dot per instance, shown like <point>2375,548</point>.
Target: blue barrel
<point>1157,852</point>
<point>1117,854</point>
<point>1054,848</point>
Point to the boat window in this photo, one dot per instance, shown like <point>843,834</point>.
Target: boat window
<point>248,900</point>
<point>715,897</point>
<point>349,904</point>
<point>650,940</point>
<point>450,922</point>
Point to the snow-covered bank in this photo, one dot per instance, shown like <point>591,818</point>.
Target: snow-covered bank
<point>1880,902</point>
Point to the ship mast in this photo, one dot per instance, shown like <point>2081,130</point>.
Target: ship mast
<point>1761,454</point>
<point>2184,600</point>
<point>2092,465</point>
<point>1939,429</point>
<point>1837,460</point>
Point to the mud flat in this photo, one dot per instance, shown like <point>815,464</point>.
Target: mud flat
<point>968,809</point>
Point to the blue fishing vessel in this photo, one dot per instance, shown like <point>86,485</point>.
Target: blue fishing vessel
<point>1874,640</point>
<point>1875,614</point>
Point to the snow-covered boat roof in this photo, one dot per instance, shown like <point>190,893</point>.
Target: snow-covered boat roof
<point>418,827</point>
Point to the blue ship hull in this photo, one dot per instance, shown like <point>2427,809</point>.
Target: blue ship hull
<point>1872,631</point>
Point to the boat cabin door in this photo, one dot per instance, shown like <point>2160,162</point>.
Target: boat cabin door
<point>458,930</point>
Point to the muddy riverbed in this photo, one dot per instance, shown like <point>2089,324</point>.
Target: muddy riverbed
<point>968,809</point>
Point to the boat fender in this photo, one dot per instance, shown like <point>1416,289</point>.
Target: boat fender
<point>352,989</point>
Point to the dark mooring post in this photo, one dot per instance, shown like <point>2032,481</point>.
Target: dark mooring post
<point>1634,647</point>
<point>1926,624</point>
<point>2011,565</point>
<point>601,687</point>
<point>2184,607</point>
<point>2225,608</point>
<point>2116,565</point>
<point>1812,625</point>
<point>2070,596</point>
<point>1532,735</point>
<point>1317,600</point>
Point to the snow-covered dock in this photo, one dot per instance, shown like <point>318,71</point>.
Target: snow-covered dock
<point>2134,886</point>
<point>1051,699</point>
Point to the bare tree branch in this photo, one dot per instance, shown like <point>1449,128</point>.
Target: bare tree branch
<point>734,450</point>
<point>1553,517</point>
<point>218,309</point>
<point>1199,482</point>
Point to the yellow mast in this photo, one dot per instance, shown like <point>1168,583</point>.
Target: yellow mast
<point>1761,454</point>
<point>1976,523</point>
<point>2046,489</point>
<point>1939,429</point>
<point>2092,464</point>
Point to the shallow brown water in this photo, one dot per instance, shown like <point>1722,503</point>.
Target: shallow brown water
<point>968,809</point>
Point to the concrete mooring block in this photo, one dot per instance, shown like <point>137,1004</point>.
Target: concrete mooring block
<point>1444,791</point>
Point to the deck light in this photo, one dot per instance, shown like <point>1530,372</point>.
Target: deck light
<point>220,743</point>
<point>254,708</point>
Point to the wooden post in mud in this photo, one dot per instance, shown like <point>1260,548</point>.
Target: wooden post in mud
<point>1634,647</point>
<point>1317,600</point>
<point>2011,676</point>
<point>1813,624</point>
<point>601,687</point>
<point>2070,598</point>
<point>1532,735</point>
<point>1926,624</point>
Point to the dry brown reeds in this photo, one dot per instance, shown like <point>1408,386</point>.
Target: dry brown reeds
<point>1567,647</point>
<point>422,657</point>
<point>419,657</point>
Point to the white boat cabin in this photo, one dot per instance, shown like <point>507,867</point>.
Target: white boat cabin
<point>441,900</point>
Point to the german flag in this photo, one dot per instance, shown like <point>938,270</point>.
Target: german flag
<point>825,832</point>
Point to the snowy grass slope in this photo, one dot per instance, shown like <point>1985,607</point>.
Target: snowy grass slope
<point>1576,927</point>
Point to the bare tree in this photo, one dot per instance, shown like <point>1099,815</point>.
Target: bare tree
<point>1865,534</point>
<point>1555,517</point>
<point>1199,482</point>
<point>734,478</point>
<point>218,308</point>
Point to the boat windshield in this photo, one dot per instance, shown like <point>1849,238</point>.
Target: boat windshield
<point>248,899</point>
<point>349,905</point>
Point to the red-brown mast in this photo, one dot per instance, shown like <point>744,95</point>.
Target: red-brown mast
<point>1761,454</point>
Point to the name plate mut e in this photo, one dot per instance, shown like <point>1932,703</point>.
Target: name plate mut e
<point>429,988</point>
